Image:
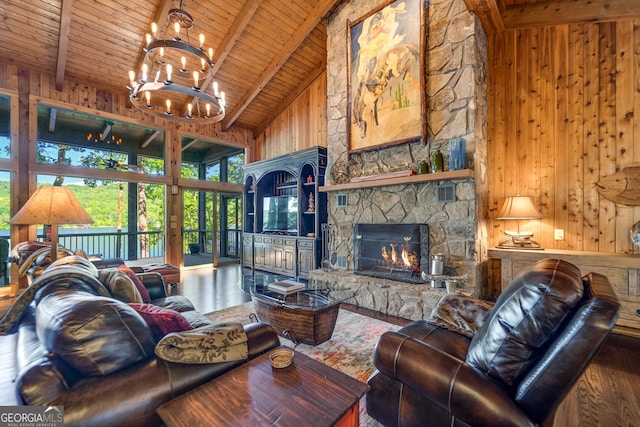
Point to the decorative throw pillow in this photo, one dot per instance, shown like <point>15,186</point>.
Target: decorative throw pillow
<point>224,342</point>
<point>120,285</point>
<point>461,314</point>
<point>144,293</point>
<point>525,317</point>
<point>161,320</point>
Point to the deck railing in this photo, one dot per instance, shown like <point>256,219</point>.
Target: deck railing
<point>150,244</point>
<point>130,246</point>
<point>231,238</point>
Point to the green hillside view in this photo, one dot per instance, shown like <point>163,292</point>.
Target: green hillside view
<point>100,202</point>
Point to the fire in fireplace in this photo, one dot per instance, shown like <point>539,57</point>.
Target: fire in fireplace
<point>391,251</point>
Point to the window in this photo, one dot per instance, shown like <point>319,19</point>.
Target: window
<point>5,127</point>
<point>207,160</point>
<point>79,139</point>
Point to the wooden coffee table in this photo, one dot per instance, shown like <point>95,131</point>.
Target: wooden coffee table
<point>307,393</point>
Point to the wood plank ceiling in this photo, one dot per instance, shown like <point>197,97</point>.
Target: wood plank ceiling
<point>266,51</point>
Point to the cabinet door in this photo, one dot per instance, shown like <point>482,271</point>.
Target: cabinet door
<point>289,253</point>
<point>258,255</point>
<point>306,258</point>
<point>247,251</point>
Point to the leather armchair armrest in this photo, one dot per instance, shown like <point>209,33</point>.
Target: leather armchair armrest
<point>447,382</point>
<point>154,284</point>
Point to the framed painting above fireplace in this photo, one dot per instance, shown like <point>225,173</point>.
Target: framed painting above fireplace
<point>386,75</point>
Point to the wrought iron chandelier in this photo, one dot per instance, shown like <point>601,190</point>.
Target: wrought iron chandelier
<point>177,75</point>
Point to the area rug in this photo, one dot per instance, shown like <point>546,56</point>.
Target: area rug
<point>350,349</point>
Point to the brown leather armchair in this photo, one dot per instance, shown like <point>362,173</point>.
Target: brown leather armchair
<point>514,370</point>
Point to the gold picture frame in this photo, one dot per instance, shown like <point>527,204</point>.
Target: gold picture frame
<point>386,76</point>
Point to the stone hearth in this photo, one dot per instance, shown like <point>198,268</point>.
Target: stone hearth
<point>409,301</point>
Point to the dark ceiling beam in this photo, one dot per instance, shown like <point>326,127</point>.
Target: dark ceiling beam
<point>569,12</point>
<point>317,72</point>
<point>234,33</point>
<point>63,42</point>
<point>488,12</point>
<point>301,33</point>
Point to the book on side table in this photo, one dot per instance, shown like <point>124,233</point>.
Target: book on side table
<point>286,287</point>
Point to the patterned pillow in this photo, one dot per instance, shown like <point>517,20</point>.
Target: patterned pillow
<point>224,342</point>
<point>161,320</point>
<point>120,285</point>
<point>144,292</point>
<point>461,314</point>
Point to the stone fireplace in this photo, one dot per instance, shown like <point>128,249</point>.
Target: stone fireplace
<point>455,53</point>
<point>391,251</point>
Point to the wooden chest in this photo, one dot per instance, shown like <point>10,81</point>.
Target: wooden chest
<point>306,317</point>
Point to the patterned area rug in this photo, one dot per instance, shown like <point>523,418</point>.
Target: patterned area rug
<point>350,349</point>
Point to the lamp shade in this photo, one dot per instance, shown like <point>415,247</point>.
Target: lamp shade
<point>52,205</point>
<point>518,207</point>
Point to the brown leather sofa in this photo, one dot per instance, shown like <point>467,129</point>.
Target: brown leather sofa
<point>94,355</point>
<point>514,370</point>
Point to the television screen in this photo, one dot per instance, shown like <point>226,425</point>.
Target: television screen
<point>280,213</point>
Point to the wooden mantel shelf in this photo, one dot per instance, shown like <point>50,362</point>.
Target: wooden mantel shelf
<point>412,179</point>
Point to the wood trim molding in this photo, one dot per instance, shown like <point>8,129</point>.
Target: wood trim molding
<point>559,12</point>
<point>411,179</point>
<point>488,11</point>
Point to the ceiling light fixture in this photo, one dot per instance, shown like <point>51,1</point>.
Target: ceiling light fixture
<point>177,74</point>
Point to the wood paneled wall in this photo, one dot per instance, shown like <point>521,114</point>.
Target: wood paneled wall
<point>562,107</point>
<point>302,125</point>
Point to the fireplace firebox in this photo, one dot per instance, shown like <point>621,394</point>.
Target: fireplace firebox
<point>391,251</point>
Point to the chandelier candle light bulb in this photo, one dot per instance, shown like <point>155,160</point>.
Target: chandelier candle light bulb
<point>196,86</point>
<point>132,78</point>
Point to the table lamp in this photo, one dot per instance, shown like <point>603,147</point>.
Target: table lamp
<point>52,205</point>
<point>518,208</point>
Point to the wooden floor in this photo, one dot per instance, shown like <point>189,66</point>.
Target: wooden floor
<point>607,395</point>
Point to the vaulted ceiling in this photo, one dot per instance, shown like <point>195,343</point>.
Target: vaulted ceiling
<point>266,52</point>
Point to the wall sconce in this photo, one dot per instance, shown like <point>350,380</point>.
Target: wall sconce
<point>518,208</point>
